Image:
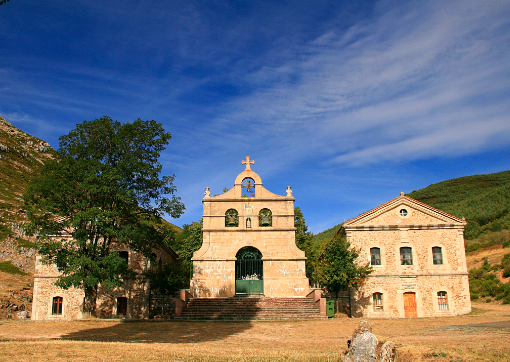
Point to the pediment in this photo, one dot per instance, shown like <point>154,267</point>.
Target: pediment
<point>404,210</point>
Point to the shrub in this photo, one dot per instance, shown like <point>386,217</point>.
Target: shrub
<point>474,296</point>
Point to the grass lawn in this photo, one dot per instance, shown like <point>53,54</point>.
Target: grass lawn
<point>481,336</point>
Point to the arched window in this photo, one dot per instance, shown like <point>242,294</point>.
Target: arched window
<point>406,256</point>
<point>442,300</point>
<point>378,302</point>
<point>231,218</point>
<point>121,306</point>
<point>248,187</point>
<point>56,307</point>
<point>265,218</point>
<point>437,255</point>
<point>375,256</point>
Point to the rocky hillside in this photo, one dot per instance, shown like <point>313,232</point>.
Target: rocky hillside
<point>21,157</point>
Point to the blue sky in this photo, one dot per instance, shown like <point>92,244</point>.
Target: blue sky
<point>347,102</point>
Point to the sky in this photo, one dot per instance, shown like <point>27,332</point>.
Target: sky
<point>347,102</point>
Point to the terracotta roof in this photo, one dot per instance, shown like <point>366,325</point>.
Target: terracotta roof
<point>403,197</point>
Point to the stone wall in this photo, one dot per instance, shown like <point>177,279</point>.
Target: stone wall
<point>136,291</point>
<point>420,228</point>
<point>283,262</point>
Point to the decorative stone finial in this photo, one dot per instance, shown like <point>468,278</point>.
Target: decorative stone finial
<point>207,193</point>
<point>289,191</point>
<point>248,163</point>
<point>402,193</point>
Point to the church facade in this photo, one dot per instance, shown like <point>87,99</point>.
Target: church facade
<point>249,243</point>
<point>417,254</point>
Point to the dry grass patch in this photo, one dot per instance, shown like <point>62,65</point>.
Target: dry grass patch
<point>450,339</point>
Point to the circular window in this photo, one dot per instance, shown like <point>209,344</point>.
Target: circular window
<point>403,212</point>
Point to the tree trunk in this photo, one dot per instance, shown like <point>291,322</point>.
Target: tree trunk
<point>89,302</point>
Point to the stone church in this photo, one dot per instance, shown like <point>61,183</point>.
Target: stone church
<point>249,243</point>
<point>417,254</point>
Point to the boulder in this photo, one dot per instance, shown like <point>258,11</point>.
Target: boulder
<point>22,314</point>
<point>388,352</point>
<point>362,347</point>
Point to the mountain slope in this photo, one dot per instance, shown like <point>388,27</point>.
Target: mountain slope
<point>484,200</point>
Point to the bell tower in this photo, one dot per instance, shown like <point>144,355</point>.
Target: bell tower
<point>249,243</point>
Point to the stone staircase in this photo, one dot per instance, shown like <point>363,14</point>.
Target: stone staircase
<point>249,308</point>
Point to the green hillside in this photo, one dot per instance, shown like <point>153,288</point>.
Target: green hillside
<point>319,240</point>
<point>484,200</point>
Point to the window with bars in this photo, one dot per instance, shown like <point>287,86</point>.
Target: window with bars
<point>121,306</point>
<point>442,300</point>
<point>437,255</point>
<point>378,302</point>
<point>56,308</point>
<point>375,256</point>
<point>406,256</point>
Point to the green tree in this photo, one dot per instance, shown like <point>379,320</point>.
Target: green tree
<point>304,240</point>
<point>336,268</point>
<point>168,278</point>
<point>103,188</point>
<point>189,241</point>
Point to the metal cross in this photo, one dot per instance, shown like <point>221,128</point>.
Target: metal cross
<point>248,162</point>
<point>248,185</point>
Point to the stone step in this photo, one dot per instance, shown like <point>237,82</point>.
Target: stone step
<point>244,307</point>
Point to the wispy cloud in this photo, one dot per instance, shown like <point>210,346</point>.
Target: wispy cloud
<point>420,79</point>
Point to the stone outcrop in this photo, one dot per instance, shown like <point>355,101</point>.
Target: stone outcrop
<point>363,347</point>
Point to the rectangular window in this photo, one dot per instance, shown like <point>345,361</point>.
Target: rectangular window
<point>406,256</point>
<point>442,300</point>
<point>121,306</point>
<point>375,256</point>
<point>378,304</point>
<point>56,308</point>
<point>437,255</point>
<point>124,255</point>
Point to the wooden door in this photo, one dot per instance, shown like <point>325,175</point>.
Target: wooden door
<point>410,305</point>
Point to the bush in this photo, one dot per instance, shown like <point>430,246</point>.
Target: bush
<point>474,296</point>
<point>506,273</point>
<point>506,244</point>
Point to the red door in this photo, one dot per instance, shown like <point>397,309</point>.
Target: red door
<point>410,305</point>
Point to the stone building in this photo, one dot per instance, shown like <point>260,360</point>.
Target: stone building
<point>249,243</point>
<point>417,253</point>
<point>131,301</point>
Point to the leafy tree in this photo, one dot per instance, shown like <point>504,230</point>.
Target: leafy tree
<point>304,240</point>
<point>168,278</point>
<point>189,241</point>
<point>336,268</point>
<point>103,188</point>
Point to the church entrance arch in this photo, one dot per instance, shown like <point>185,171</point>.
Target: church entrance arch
<point>249,271</point>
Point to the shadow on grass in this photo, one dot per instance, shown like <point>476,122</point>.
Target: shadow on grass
<point>160,332</point>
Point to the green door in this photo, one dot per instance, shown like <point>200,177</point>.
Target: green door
<point>249,271</point>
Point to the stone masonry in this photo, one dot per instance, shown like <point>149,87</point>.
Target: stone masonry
<point>283,262</point>
<point>425,287</point>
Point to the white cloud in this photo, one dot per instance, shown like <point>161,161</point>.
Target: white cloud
<point>423,76</point>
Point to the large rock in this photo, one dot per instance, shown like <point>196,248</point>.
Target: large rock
<point>388,352</point>
<point>22,314</point>
<point>363,346</point>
